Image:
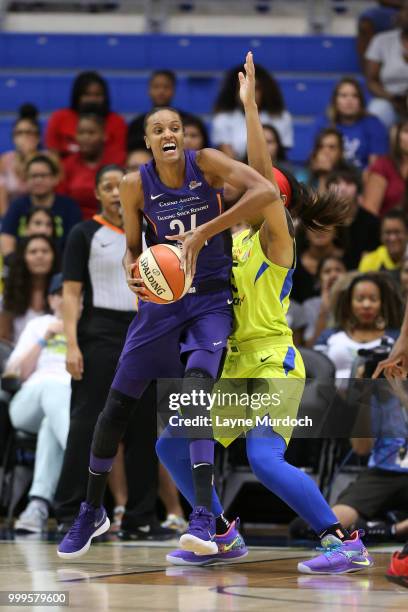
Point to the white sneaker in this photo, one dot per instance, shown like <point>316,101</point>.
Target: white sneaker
<point>34,518</point>
<point>173,521</point>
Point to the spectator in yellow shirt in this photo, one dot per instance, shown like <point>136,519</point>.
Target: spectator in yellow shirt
<point>394,240</point>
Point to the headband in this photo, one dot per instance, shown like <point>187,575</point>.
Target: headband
<point>284,185</point>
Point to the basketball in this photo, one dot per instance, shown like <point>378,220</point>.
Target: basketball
<point>159,267</point>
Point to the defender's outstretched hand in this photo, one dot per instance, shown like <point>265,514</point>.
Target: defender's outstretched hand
<point>247,81</point>
<point>396,365</point>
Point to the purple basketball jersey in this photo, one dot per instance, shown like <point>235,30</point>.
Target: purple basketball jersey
<point>174,211</point>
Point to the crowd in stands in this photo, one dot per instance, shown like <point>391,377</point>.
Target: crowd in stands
<point>348,287</point>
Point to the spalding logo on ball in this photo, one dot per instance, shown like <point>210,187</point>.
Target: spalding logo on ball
<point>159,268</point>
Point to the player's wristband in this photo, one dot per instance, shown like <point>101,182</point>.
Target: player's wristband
<point>42,342</point>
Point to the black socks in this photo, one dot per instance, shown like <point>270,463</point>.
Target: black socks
<point>203,478</point>
<point>336,530</point>
<point>96,488</point>
<point>222,524</point>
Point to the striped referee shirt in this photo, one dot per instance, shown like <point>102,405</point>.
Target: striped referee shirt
<point>93,256</point>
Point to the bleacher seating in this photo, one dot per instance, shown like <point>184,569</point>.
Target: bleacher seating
<point>146,52</point>
<point>40,69</point>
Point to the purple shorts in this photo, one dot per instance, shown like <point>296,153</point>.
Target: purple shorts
<point>160,334</point>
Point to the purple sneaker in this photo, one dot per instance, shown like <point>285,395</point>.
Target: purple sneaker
<point>231,548</point>
<point>339,557</point>
<point>200,535</point>
<point>90,522</point>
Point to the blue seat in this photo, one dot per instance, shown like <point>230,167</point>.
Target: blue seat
<point>152,51</point>
<point>196,94</point>
<point>39,51</point>
<point>129,94</point>
<point>46,92</point>
<point>184,52</point>
<point>304,133</point>
<point>308,96</point>
<point>121,52</point>
<point>6,127</point>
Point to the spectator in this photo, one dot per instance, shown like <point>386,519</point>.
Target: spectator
<point>394,239</point>
<point>195,133</point>
<point>40,221</point>
<point>162,88</point>
<point>362,232</point>
<point>296,322</point>
<point>137,158</point>
<point>88,88</point>
<point>387,71</point>
<point>364,136</point>
<point>373,500</point>
<point>313,247</point>
<point>318,310</point>
<point>26,287</point>
<point>26,139</point>
<point>368,312</point>
<point>374,20</point>
<point>94,277</point>
<point>229,129</point>
<point>80,169</point>
<point>327,156</point>
<point>385,185</point>
<point>42,178</point>
<point>274,143</point>
<point>42,404</point>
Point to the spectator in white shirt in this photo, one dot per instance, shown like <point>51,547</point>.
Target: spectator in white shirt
<point>41,406</point>
<point>229,128</point>
<point>387,72</point>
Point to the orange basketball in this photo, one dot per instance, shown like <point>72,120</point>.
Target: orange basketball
<point>159,268</point>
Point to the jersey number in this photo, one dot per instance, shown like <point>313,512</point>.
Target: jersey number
<point>178,225</point>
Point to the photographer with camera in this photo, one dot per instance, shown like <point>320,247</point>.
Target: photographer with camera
<point>368,315</point>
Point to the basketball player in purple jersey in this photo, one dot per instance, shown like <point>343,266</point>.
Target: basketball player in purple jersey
<point>175,193</point>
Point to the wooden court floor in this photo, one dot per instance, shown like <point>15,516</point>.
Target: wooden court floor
<point>119,576</point>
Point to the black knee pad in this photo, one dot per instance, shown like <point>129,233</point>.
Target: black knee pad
<point>197,383</point>
<point>112,423</point>
<point>197,378</point>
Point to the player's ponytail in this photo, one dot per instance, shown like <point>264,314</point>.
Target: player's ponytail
<point>314,210</point>
<point>317,210</point>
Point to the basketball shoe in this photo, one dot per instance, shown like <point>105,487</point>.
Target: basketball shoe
<point>398,570</point>
<point>339,557</point>
<point>231,548</point>
<point>200,535</point>
<point>90,523</point>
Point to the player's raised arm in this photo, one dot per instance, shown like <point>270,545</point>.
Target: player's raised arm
<point>257,151</point>
<point>280,248</point>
